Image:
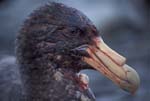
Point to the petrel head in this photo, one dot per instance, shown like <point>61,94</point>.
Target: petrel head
<point>71,40</point>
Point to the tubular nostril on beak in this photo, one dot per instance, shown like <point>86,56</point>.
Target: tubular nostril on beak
<point>117,58</point>
<point>112,65</point>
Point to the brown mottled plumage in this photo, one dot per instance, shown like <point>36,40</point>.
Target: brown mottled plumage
<point>45,46</point>
<point>53,45</point>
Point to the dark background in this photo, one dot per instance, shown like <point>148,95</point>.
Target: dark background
<point>123,24</point>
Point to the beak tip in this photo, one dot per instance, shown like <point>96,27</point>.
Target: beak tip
<point>112,65</point>
<point>133,79</point>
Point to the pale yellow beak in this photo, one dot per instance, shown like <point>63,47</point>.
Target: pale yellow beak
<point>112,65</point>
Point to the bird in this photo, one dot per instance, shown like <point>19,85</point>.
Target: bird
<point>53,45</point>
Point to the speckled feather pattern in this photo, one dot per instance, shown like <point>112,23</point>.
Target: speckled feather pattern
<point>62,86</point>
<point>43,78</point>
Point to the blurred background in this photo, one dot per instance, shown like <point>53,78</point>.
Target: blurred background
<point>123,24</point>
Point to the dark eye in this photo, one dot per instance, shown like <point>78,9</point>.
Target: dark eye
<point>74,31</point>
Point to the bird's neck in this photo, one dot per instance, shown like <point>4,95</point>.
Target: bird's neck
<point>43,81</point>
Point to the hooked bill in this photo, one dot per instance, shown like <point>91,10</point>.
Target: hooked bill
<point>112,65</point>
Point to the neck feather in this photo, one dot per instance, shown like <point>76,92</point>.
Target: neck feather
<point>43,81</point>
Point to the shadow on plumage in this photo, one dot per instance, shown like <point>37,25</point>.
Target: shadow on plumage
<point>53,45</point>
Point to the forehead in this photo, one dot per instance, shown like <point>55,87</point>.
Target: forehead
<point>62,15</point>
<point>55,19</point>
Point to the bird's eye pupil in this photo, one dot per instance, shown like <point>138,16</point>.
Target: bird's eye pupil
<point>73,31</point>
